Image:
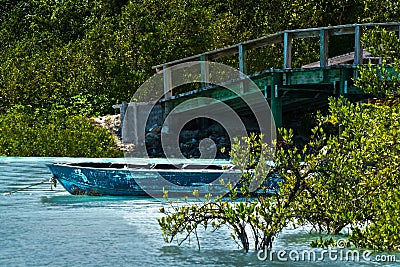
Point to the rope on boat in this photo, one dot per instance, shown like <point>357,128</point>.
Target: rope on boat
<point>52,181</point>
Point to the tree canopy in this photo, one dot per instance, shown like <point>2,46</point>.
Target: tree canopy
<point>52,52</point>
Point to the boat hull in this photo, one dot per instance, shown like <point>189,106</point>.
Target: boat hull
<point>137,182</point>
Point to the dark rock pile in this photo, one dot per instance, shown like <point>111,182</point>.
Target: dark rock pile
<point>210,142</point>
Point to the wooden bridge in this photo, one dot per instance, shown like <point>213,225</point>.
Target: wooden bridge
<point>287,89</point>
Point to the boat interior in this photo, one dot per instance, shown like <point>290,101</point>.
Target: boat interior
<point>155,166</point>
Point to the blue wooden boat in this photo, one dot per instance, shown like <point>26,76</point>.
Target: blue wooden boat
<point>143,178</point>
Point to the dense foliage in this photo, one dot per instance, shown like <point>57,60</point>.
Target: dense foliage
<point>25,131</point>
<point>381,81</point>
<point>54,51</point>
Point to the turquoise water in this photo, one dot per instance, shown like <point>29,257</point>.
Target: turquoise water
<point>39,227</point>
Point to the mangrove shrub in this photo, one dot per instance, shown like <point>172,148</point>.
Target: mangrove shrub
<point>25,131</point>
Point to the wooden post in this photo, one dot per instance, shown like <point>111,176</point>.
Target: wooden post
<point>342,84</point>
<point>358,50</point>
<point>399,31</point>
<point>323,47</point>
<point>276,100</point>
<point>242,68</point>
<point>242,59</point>
<point>167,82</point>
<point>122,112</point>
<point>167,89</point>
<point>205,71</point>
<point>265,91</point>
<point>287,50</point>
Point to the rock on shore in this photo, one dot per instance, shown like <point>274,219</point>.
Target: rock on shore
<point>212,140</point>
<point>113,124</point>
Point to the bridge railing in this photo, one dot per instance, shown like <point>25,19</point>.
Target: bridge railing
<point>287,38</point>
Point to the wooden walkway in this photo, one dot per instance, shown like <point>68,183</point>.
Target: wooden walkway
<point>286,89</point>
